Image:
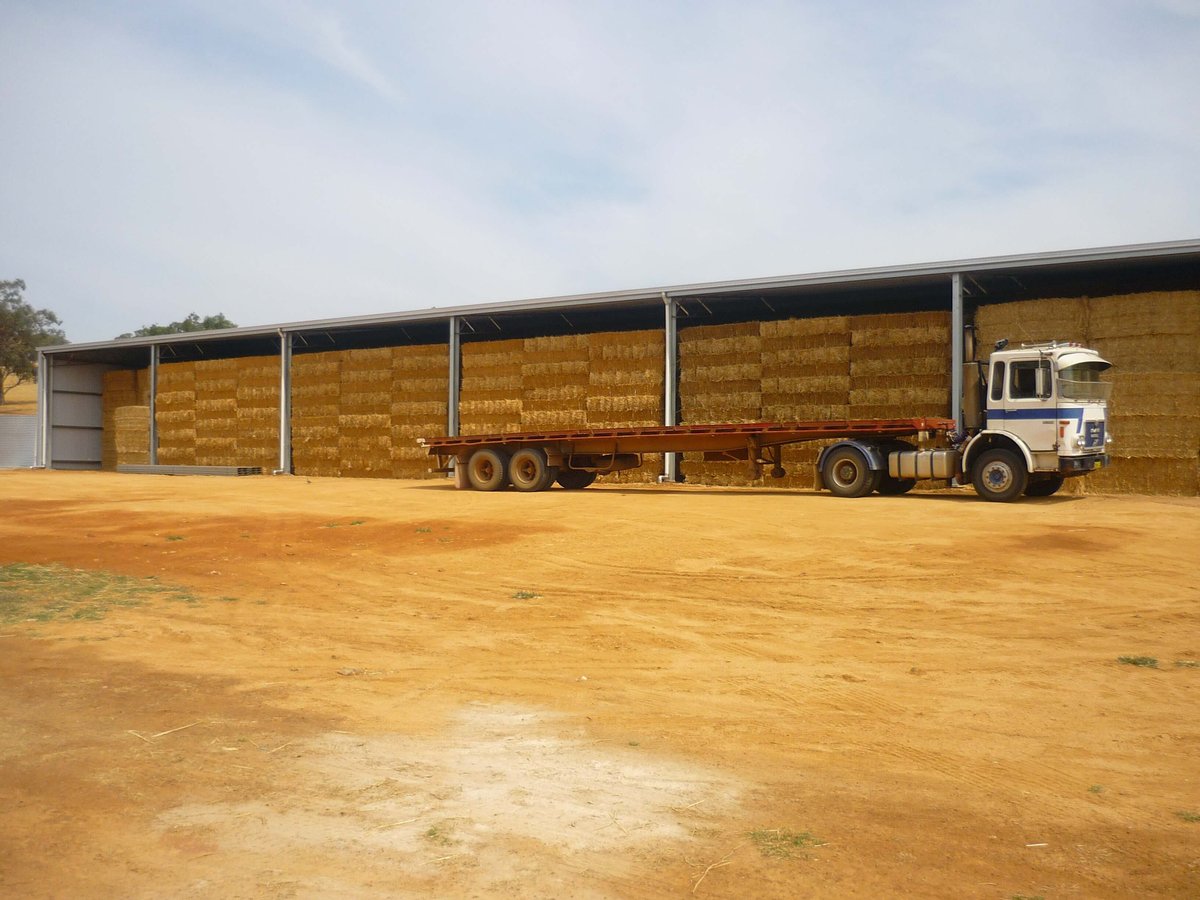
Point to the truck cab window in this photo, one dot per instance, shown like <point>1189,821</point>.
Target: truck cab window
<point>997,380</point>
<point>1024,383</point>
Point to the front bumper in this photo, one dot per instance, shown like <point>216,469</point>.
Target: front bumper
<point>1081,465</point>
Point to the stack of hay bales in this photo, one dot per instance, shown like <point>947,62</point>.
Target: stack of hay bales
<point>554,382</point>
<point>806,377</point>
<point>316,398</point>
<point>720,380</point>
<point>900,365</point>
<point>125,400</point>
<point>420,388</point>
<point>216,412</point>
<point>365,413</point>
<point>490,401</point>
<point>175,414</point>
<point>1153,341</point>
<point>1031,321</point>
<point>625,388</point>
<point>258,411</point>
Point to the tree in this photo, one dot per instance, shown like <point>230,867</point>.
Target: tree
<point>192,323</point>
<point>22,330</point>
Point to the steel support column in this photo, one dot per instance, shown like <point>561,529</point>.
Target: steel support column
<point>285,403</point>
<point>152,440</point>
<point>42,455</point>
<point>670,382</point>
<point>455,380</point>
<point>957,357</point>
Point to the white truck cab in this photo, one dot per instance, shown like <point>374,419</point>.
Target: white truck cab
<point>1045,413</point>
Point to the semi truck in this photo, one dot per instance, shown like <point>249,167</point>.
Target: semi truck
<point>1033,416</point>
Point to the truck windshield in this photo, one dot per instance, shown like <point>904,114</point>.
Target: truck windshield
<point>1082,382</point>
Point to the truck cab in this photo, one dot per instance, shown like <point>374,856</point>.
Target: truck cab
<point>1046,404</point>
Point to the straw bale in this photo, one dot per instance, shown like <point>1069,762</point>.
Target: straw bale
<point>182,455</point>
<point>1159,436</point>
<point>1155,393</point>
<point>1151,353</point>
<point>608,347</point>
<point>422,410</point>
<point>553,419</point>
<point>120,380</point>
<point>548,396</point>
<point>176,376</point>
<point>1178,477</point>
<point>790,329</point>
<point>421,358</point>
<point>178,418</point>
<point>175,400</point>
<point>216,408</point>
<point>613,409</point>
<point>1026,321</point>
<point>367,359</point>
<point>1152,313</point>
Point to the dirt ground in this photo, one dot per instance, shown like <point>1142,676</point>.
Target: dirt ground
<point>350,688</point>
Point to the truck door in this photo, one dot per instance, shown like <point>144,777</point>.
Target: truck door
<point>1029,407</point>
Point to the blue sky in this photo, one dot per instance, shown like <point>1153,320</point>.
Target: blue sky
<point>281,160</point>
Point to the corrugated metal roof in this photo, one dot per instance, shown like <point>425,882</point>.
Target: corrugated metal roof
<point>878,275</point>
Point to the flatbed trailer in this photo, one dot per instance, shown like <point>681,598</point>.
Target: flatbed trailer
<point>534,460</point>
<point>1036,415</point>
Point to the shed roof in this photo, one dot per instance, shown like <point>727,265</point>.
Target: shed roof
<point>1100,270</point>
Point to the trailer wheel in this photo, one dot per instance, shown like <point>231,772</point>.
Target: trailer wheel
<point>893,487</point>
<point>847,474</point>
<point>1000,475</point>
<point>575,479</point>
<point>1044,487</point>
<point>487,469</point>
<point>529,470</point>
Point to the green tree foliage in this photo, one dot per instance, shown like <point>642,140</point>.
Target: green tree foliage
<point>22,330</point>
<point>192,323</point>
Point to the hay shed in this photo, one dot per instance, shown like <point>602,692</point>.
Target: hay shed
<point>349,397</point>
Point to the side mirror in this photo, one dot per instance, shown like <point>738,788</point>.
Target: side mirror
<point>1043,382</point>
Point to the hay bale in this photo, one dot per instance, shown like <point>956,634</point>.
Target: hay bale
<point>490,400</point>
<point>805,370</point>
<point>1147,475</point>
<point>625,388</point>
<point>1148,314</point>
<point>900,365</point>
<point>1031,321</point>
<point>554,382</point>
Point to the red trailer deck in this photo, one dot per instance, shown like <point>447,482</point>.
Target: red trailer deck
<point>533,460</point>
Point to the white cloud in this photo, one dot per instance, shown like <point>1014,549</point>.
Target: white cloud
<point>279,161</point>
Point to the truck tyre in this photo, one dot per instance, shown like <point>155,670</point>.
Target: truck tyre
<point>1045,486</point>
<point>892,487</point>
<point>575,479</point>
<point>847,474</point>
<point>529,471</point>
<point>487,469</point>
<point>999,475</point>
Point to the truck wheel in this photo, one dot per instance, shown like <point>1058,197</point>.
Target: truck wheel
<point>847,474</point>
<point>1044,487</point>
<point>891,487</point>
<point>487,469</point>
<point>575,479</point>
<point>529,470</point>
<point>1000,475</point>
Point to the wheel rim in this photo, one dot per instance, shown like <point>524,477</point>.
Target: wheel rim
<point>998,477</point>
<point>845,472</point>
<point>485,470</point>
<point>527,471</point>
